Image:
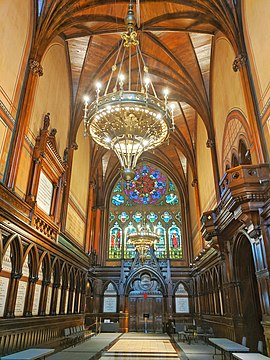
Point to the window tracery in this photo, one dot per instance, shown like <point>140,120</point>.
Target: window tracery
<point>153,198</point>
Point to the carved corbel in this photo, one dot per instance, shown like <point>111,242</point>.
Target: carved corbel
<point>210,143</point>
<point>35,67</point>
<point>239,62</point>
<point>194,183</point>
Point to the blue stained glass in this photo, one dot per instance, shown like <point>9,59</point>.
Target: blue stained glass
<point>171,186</point>
<point>111,217</point>
<point>148,186</point>
<point>152,217</point>
<point>40,6</point>
<point>171,199</point>
<point>166,216</point>
<point>123,217</point>
<point>118,200</point>
<point>118,187</point>
<point>137,217</point>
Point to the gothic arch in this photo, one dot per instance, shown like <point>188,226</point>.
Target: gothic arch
<point>153,274</point>
<point>16,247</point>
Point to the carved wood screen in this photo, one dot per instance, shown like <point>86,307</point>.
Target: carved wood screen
<point>46,181</point>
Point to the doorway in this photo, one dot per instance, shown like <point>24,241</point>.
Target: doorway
<point>145,305</point>
<point>249,295</point>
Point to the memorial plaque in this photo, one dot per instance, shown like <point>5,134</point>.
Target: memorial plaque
<point>48,303</point>
<point>182,305</point>
<point>58,301</point>
<point>36,300</point>
<point>20,300</point>
<point>7,265</point>
<point>3,294</point>
<point>44,194</point>
<point>109,304</point>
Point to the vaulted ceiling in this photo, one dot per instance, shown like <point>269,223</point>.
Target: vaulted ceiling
<point>176,42</point>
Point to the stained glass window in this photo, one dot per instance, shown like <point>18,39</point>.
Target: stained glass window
<point>115,241</point>
<point>175,242</point>
<point>151,198</point>
<point>40,6</point>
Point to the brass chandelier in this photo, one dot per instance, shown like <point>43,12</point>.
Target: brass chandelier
<point>142,240</point>
<point>128,117</point>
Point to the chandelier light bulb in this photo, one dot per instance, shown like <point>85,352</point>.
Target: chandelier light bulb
<point>166,92</point>
<point>98,85</point>
<point>86,99</point>
<point>172,106</point>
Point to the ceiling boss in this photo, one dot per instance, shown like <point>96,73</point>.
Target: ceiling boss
<point>128,117</point>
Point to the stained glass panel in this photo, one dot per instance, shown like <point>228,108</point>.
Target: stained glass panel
<point>115,242</point>
<point>123,217</point>
<point>129,250</point>
<point>148,186</point>
<point>175,242</point>
<point>152,217</point>
<point>160,247</point>
<point>151,198</point>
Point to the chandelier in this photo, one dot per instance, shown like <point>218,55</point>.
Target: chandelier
<point>143,239</point>
<point>128,117</point>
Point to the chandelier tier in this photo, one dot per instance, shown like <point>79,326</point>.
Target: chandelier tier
<point>128,118</point>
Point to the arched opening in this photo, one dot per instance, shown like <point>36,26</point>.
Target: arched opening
<point>88,298</point>
<point>234,161</point>
<point>244,154</point>
<point>249,296</point>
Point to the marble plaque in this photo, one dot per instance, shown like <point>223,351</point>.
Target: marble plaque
<point>44,194</point>
<point>7,265</point>
<point>109,304</point>
<point>3,294</point>
<point>58,301</point>
<point>48,303</point>
<point>20,300</point>
<point>36,300</point>
<point>182,305</point>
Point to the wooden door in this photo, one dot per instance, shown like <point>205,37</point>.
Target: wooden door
<point>140,305</point>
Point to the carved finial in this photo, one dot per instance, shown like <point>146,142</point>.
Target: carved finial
<point>53,132</point>
<point>210,143</point>
<point>239,61</point>
<point>35,67</point>
<point>65,156</point>
<point>46,121</point>
<point>194,182</point>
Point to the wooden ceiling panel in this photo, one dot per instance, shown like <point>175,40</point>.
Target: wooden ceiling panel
<point>175,37</point>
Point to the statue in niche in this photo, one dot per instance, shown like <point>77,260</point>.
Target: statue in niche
<point>46,121</point>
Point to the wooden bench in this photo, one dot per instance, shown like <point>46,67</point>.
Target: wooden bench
<point>76,334</point>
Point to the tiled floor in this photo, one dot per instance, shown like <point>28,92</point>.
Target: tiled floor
<point>87,349</point>
<point>132,346</point>
<point>141,346</point>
